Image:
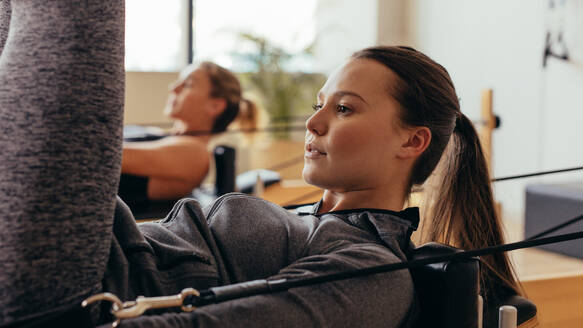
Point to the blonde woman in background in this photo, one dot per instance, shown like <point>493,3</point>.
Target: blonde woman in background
<point>203,101</point>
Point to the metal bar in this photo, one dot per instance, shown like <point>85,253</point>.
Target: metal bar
<point>189,28</point>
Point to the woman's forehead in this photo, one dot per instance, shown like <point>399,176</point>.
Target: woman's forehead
<point>361,76</point>
<point>198,75</point>
<point>190,70</point>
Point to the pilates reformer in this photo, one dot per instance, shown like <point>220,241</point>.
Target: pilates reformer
<point>446,280</point>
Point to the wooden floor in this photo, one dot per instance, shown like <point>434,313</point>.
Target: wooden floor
<point>554,282</point>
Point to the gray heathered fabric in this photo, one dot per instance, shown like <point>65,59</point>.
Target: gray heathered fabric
<point>61,104</point>
<point>4,21</point>
<point>243,238</point>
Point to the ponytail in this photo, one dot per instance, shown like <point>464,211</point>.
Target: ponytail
<point>462,210</point>
<point>248,115</point>
<point>224,84</point>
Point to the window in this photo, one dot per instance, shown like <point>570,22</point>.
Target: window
<point>285,25</point>
<point>158,32</point>
<point>156,35</point>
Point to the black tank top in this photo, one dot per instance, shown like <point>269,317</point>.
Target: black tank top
<point>133,189</point>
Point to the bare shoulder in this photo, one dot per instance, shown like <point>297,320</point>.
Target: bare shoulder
<point>187,148</point>
<point>181,150</point>
<point>184,141</point>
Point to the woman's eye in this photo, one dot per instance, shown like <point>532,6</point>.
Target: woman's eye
<point>316,107</point>
<point>343,109</point>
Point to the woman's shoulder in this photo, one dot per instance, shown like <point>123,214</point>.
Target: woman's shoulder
<point>185,140</point>
<point>186,146</point>
<point>245,203</point>
<point>238,208</point>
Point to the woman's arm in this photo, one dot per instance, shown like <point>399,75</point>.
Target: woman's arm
<point>175,165</point>
<point>380,300</point>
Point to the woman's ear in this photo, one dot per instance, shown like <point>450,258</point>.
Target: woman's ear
<point>418,139</point>
<point>217,106</point>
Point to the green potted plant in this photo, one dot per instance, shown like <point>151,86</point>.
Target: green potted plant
<point>285,95</point>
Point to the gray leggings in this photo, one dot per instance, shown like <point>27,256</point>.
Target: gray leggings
<point>61,106</point>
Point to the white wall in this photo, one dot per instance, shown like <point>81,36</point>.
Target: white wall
<point>392,27</point>
<point>145,97</point>
<point>343,27</point>
<point>499,44</point>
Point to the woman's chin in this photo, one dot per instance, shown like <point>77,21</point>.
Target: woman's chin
<point>312,179</point>
<point>171,112</point>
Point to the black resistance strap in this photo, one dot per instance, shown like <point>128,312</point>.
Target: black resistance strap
<point>264,286</point>
<point>512,177</point>
<point>557,227</point>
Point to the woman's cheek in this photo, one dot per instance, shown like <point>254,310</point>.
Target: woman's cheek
<point>349,141</point>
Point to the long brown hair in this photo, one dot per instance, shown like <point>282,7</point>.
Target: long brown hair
<point>460,210</point>
<point>225,85</point>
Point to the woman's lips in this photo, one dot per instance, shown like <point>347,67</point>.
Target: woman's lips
<point>312,152</point>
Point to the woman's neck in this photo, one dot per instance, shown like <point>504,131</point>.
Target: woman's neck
<point>390,199</point>
<point>184,128</point>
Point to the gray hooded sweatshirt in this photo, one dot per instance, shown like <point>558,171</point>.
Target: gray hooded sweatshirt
<point>241,238</point>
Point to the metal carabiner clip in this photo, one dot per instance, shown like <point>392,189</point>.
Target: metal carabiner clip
<point>116,303</point>
<point>136,308</point>
<point>132,309</point>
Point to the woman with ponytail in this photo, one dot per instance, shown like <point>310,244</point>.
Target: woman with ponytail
<point>205,100</point>
<point>458,206</point>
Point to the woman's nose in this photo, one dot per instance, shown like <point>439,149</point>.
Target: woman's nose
<point>175,86</point>
<point>317,124</point>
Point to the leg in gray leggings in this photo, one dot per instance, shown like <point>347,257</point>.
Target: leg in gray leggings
<point>4,21</point>
<point>61,103</point>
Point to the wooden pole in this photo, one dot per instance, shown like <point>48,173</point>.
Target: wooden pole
<point>488,125</point>
<point>485,133</point>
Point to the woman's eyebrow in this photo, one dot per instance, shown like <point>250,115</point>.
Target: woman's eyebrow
<point>349,93</point>
<point>343,93</point>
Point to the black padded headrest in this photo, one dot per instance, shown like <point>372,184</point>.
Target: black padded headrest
<point>447,292</point>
